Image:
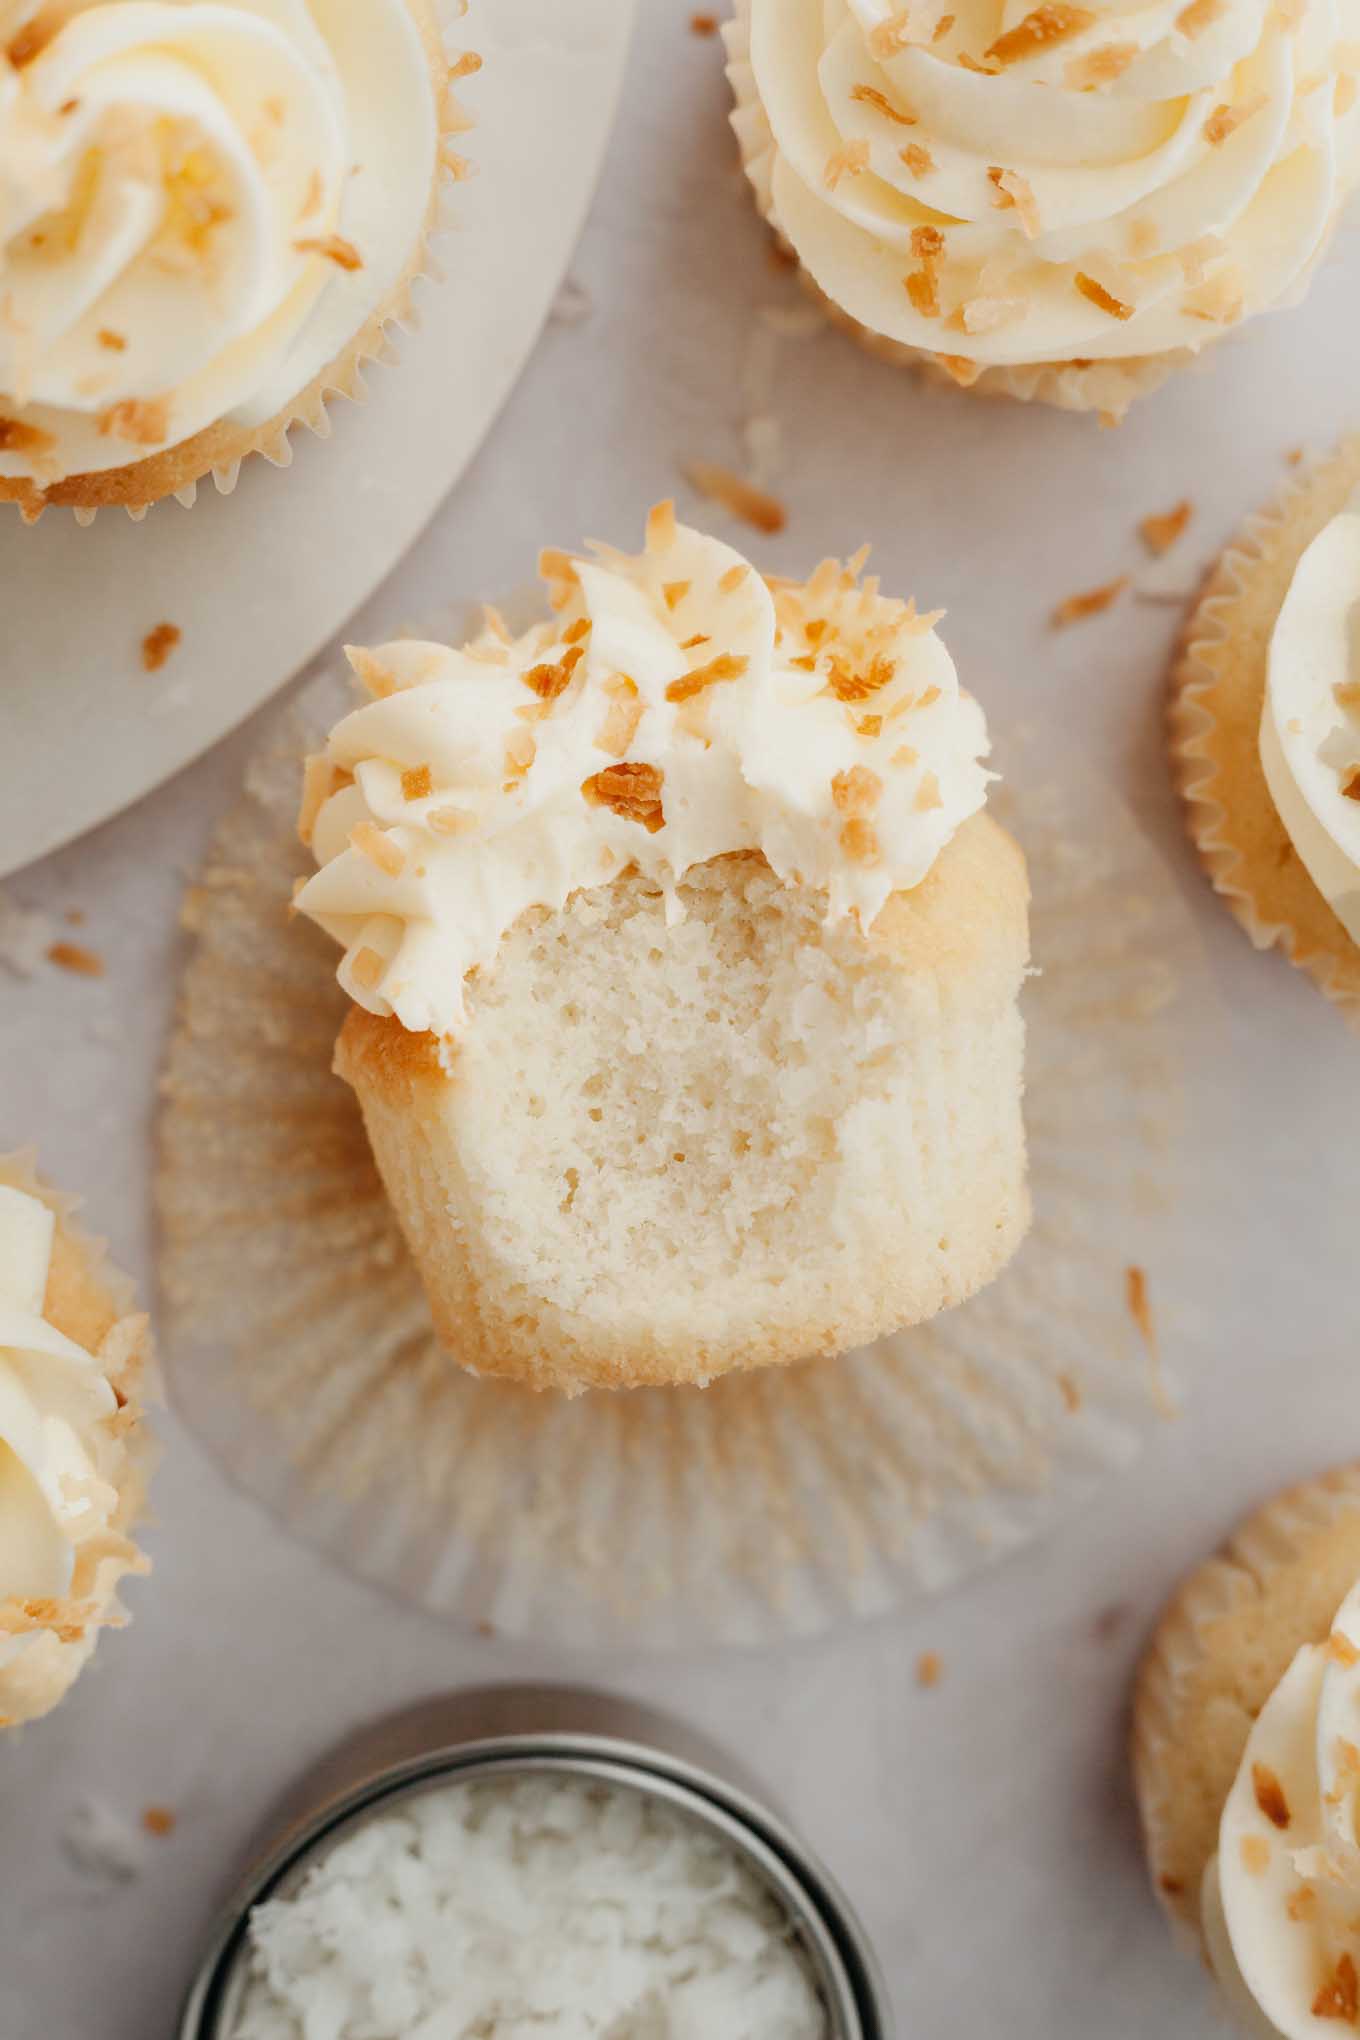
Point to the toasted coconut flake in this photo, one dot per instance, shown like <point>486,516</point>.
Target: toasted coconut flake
<point>892,36</point>
<point>869,95</point>
<point>850,161</point>
<point>620,725</point>
<point>1341,1650</point>
<point>318,784</point>
<point>917,158</point>
<point>1160,531</point>
<point>1339,1995</point>
<point>1221,300</point>
<point>754,506</point>
<point>18,437</point>
<point>79,961</point>
<point>1075,608</point>
<point>1225,119</point>
<point>1104,300</point>
<point>417,782</point>
<point>989,314</point>
<point>661,526</point>
<point>929,1668</point>
<point>1144,239</point>
<point>727,666</point>
<point>675,592</point>
<point>1010,189</point>
<point>922,288</point>
<point>850,684</point>
<point>733,578</point>
<point>1255,1855</point>
<point>141,421</point>
<point>856,792</point>
<point>334,248</point>
<point>960,369</point>
<point>942,27</point>
<point>927,243</point>
<point>1270,1795</point>
<point>1196,256</point>
<point>1302,1904</point>
<point>905,754</point>
<point>1199,15</point>
<point>1350,784</point>
<point>576,633</point>
<point>366,969</point>
<point>521,749</point>
<point>859,842</point>
<point>158,644</point>
<point>1347,693</point>
<point>928,794</point>
<point>1053,22</point>
<point>868,726</point>
<point>632,790</point>
<point>370,842</point>
<point>372,677</point>
<point>549,680</point>
<point>450,821</point>
<point>1099,67</point>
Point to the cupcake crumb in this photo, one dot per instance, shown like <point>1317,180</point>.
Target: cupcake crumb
<point>159,1820</point>
<point>1140,1310</point>
<point>1160,531</point>
<point>703,24</point>
<point>754,506</point>
<point>79,961</point>
<point>929,1669</point>
<point>1075,608</point>
<point>158,644</point>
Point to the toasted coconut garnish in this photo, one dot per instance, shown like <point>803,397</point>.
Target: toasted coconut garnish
<point>373,677</point>
<point>905,754</point>
<point>577,633</point>
<point>1350,784</point>
<point>1199,15</point>
<point>1010,189</point>
<point>927,243</point>
<point>450,821</point>
<point>869,95</point>
<point>917,158</point>
<point>988,314</point>
<point>521,749</point>
<point>1270,1795</point>
<point>318,784</point>
<point>417,782</point>
<point>1255,1854</point>
<point>1160,531</point>
<point>142,421</point>
<point>856,792</point>
<point>675,592</point>
<point>1095,293</point>
<point>727,666</point>
<point>922,287</point>
<point>859,841</point>
<point>549,680</point>
<point>960,369</point>
<point>942,27</point>
<point>622,717</point>
<point>928,794</point>
<point>1302,1904</point>
<point>1195,257</point>
<point>661,526</point>
<point>868,725</point>
<point>892,36</point>
<point>158,644</point>
<point>366,968</point>
<point>850,161</point>
<point>67,1620</point>
<point>558,569</point>
<point>1339,1994</point>
<point>754,506</point>
<point>1144,239</point>
<point>1225,119</point>
<point>18,437</point>
<point>1053,22</point>
<point>847,684</point>
<point>729,582</point>
<point>1099,67</point>
<point>334,248</point>
<point>1221,300</point>
<point>370,842</point>
<point>631,790</point>
<point>81,962</point>
<point>1341,1650</point>
<point>1076,607</point>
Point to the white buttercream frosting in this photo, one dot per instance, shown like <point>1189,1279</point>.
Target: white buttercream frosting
<point>1310,725</point>
<point>1281,1901</point>
<point>51,1394</point>
<point>201,202</point>
<point>1021,181</point>
<point>676,707</point>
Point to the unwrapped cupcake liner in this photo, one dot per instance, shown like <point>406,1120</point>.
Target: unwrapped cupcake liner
<point>1176,1681</point>
<point>1217,693</point>
<point>1107,387</point>
<point>767,1505</point>
<point>64,1635</point>
<point>219,452</point>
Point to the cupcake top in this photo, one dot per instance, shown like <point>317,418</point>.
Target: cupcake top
<point>58,1418</point>
<point>1310,725</point>
<point>201,202</point>
<point>676,707</point>
<point>1282,1896</point>
<point>1005,184</point>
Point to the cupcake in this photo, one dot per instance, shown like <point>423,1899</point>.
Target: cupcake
<point>208,212</point>
<point>685,968</point>
<point>1265,728</point>
<point>1065,203</point>
<point>73,1458</point>
<point>1247,1755</point>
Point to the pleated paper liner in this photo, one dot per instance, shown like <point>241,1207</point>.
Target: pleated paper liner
<point>766,1505</point>
<point>221,449</point>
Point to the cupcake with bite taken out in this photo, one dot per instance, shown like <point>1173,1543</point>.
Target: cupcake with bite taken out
<point>685,967</point>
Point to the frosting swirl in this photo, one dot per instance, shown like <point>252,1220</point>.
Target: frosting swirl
<point>1310,725</point>
<point>52,1392</point>
<point>1008,183</point>
<point>676,707</point>
<point>186,230</point>
<point>1281,1897</point>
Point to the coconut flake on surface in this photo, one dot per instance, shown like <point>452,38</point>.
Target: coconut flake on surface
<point>528,1908</point>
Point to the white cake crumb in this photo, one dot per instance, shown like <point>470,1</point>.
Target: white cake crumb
<point>528,1908</point>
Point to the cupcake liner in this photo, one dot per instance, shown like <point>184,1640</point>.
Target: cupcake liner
<point>1222,1646</point>
<point>1106,387</point>
<point>219,451</point>
<point>1217,692</point>
<point>93,1303</point>
<point>767,1505</point>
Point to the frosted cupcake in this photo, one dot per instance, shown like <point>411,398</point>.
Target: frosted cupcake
<point>1062,203</point>
<point>1265,728</point>
<point>73,1458</point>
<point>208,211</point>
<point>1248,1763</point>
<point>685,967</point>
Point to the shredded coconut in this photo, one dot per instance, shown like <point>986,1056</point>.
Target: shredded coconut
<point>528,1908</point>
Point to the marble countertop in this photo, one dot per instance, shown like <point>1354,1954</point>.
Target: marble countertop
<point>984,1827</point>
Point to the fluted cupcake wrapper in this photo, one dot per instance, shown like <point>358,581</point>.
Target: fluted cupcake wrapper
<point>219,452</point>
<point>766,1505</point>
<point>1217,693</point>
<point>95,1307</point>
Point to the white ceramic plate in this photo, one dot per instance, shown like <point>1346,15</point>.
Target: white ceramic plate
<point>260,580</point>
